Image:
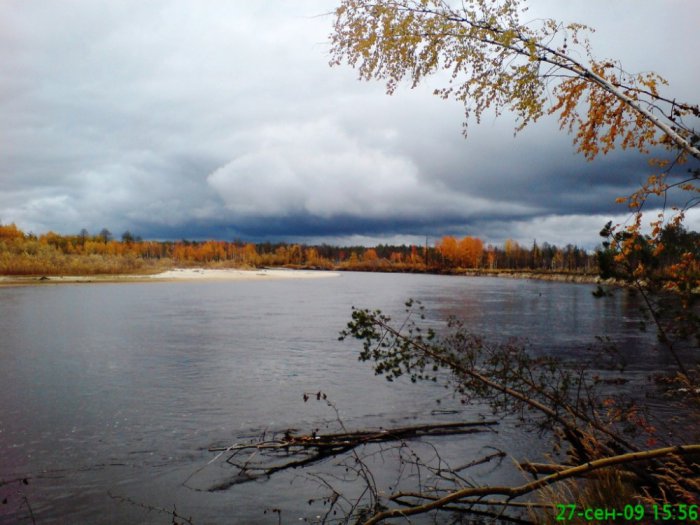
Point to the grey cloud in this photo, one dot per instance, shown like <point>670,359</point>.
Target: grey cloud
<point>179,118</point>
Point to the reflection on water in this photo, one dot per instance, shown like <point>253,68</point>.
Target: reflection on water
<point>122,388</point>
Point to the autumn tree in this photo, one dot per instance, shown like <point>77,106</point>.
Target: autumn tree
<point>510,247</point>
<point>415,258</point>
<point>465,253</point>
<point>396,258</point>
<point>494,62</point>
<point>10,232</point>
<point>370,257</point>
<point>314,259</point>
<point>250,254</point>
<point>447,248</point>
<point>471,250</point>
<point>491,257</point>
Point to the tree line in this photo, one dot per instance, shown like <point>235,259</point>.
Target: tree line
<point>52,253</point>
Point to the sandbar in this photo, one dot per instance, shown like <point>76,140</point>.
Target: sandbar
<point>206,274</point>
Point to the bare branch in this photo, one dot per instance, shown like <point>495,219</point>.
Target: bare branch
<point>513,492</point>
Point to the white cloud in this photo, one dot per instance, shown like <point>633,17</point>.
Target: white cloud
<point>579,229</point>
<point>319,170</point>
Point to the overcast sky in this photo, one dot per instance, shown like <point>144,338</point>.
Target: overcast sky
<point>187,119</point>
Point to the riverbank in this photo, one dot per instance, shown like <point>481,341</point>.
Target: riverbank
<point>233,274</point>
<point>542,275</point>
<point>564,277</point>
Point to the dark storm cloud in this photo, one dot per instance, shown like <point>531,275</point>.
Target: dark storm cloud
<point>341,226</point>
<point>313,227</point>
<point>189,119</point>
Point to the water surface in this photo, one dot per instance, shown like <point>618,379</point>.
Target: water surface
<point>115,391</point>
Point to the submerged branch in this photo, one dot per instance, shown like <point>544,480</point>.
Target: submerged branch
<point>361,436</point>
<point>303,450</point>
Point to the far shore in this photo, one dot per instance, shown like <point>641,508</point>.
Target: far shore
<point>177,274</point>
<point>564,277</point>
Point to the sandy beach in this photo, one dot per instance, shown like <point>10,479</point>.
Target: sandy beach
<point>204,274</point>
<point>178,274</point>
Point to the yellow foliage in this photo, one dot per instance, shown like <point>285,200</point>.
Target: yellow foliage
<point>494,62</point>
<point>10,232</point>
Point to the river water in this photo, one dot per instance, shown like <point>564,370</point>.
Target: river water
<point>111,394</point>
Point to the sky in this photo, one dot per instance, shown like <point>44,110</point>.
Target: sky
<point>223,120</point>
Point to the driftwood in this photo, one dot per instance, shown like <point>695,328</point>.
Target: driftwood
<point>287,450</point>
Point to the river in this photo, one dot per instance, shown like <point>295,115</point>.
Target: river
<point>111,394</point>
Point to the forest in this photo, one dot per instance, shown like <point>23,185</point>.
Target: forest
<point>85,254</point>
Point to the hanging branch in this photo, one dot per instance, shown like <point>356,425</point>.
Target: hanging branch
<point>396,352</point>
<point>495,62</point>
